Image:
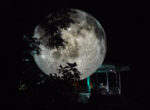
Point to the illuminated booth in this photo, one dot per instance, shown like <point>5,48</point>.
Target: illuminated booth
<point>105,81</point>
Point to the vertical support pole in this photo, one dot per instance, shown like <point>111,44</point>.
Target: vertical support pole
<point>107,81</point>
<point>88,84</point>
<point>116,80</point>
<point>119,82</point>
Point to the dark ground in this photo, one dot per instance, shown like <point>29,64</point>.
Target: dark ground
<point>126,27</point>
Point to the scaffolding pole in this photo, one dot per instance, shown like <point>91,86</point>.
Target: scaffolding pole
<point>107,88</point>
<point>119,82</point>
<point>88,83</point>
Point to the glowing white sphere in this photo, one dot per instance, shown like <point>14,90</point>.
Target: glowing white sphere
<point>84,42</point>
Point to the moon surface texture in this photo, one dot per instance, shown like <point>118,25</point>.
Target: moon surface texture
<point>70,35</point>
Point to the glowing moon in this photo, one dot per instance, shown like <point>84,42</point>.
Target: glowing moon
<point>81,40</point>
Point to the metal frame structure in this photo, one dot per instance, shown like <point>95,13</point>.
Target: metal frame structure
<point>107,69</point>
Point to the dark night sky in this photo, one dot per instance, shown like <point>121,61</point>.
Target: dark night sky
<point>124,22</point>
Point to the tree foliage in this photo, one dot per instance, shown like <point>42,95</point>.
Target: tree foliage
<point>57,88</point>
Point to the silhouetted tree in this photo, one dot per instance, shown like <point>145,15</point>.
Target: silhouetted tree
<point>69,72</point>
<point>43,91</point>
<point>61,83</point>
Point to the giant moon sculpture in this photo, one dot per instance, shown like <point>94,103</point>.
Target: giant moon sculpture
<point>70,35</point>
